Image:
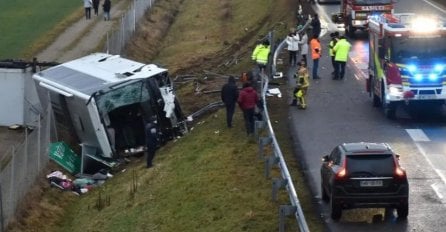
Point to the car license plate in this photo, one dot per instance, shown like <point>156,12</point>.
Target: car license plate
<point>427,96</point>
<point>371,183</point>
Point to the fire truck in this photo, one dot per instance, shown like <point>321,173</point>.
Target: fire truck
<point>407,60</point>
<point>354,13</point>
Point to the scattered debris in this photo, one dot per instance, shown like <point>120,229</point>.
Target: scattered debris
<point>15,127</point>
<point>274,92</point>
<point>80,185</point>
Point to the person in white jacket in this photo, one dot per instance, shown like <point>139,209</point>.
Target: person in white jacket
<point>304,43</point>
<point>292,41</point>
<point>87,5</point>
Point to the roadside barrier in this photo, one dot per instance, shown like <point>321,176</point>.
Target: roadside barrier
<point>118,38</point>
<point>285,180</point>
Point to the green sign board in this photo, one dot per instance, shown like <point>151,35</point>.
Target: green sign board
<point>62,154</point>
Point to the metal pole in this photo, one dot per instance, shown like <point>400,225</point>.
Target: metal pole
<point>1,209</point>
<point>26,152</point>
<point>134,15</point>
<point>11,194</point>
<point>38,142</point>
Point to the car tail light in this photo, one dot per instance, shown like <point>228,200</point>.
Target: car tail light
<point>342,172</point>
<point>400,173</point>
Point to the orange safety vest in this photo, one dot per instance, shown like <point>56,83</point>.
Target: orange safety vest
<point>315,44</point>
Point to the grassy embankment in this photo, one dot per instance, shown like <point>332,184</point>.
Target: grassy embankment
<point>209,180</point>
<point>29,26</point>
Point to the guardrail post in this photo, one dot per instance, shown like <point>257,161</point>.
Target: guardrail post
<point>269,162</point>
<point>284,211</point>
<point>258,126</point>
<point>277,184</point>
<point>262,142</point>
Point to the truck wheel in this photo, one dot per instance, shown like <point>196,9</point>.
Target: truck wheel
<point>375,101</point>
<point>325,197</point>
<point>336,211</point>
<point>389,109</point>
<point>403,211</point>
<point>350,31</point>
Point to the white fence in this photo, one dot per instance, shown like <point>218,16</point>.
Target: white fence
<point>117,39</point>
<point>22,164</point>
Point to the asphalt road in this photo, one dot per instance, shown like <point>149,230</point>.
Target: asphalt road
<point>341,111</point>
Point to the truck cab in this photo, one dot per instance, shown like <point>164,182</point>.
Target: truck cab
<point>354,14</point>
<point>407,62</point>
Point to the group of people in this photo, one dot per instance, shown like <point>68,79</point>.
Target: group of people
<point>339,49</point>
<point>247,99</point>
<point>106,6</point>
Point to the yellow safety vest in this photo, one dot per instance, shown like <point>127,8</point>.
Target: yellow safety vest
<point>261,53</point>
<point>341,49</point>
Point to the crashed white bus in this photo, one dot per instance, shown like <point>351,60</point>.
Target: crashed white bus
<point>106,100</point>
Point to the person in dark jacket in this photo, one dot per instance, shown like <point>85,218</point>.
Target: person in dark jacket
<point>106,7</point>
<point>247,101</point>
<point>316,25</point>
<point>96,6</point>
<point>151,142</point>
<point>229,96</point>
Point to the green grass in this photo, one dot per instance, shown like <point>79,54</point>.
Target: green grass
<point>23,22</point>
<point>209,180</point>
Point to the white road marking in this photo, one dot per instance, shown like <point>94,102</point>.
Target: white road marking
<point>417,135</point>
<point>437,190</point>
<point>435,6</point>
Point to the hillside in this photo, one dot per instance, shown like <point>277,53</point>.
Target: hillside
<point>211,179</point>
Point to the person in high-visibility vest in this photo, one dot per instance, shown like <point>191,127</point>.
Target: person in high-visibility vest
<point>260,55</point>
<point>341,49</point>
<point>302,85</point>
<point>316,52</point>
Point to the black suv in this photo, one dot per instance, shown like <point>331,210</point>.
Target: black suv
<point>364,175</point>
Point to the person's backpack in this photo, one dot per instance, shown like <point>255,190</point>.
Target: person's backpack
<point>244,77</point>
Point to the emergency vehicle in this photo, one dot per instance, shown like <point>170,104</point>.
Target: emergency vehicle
<point>354,13</point>
<point>407,60</point>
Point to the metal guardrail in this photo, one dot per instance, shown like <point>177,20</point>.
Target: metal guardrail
<point>285,180</point>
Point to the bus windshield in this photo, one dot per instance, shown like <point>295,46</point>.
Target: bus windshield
<point>373,2</point>
<point>419,48</point>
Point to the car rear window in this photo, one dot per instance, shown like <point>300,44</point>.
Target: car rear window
<point>379,165</point>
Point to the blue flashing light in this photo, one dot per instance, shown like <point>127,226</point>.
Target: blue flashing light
<point>433,77</point>
<point>439,68</point>
<point>418,77</point>
<point>412,68</point>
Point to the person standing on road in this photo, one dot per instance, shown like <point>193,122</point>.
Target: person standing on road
<point>229,96</point>
<point>247,101</point>
<point>151,143</point>
<point>334,39</point>
<point>292,41</point>
<point>316,52</point>
<point>304,43</point>
<point>260,55</point>
<point>87,6</point>
<point>316,25</point>
<point>96,6</point>
<point>341,49</point>
<point>106,7</point>
<point>302,85</point>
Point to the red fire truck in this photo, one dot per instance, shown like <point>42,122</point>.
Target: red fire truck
<point>354,13</point>
<point>407,61</point>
